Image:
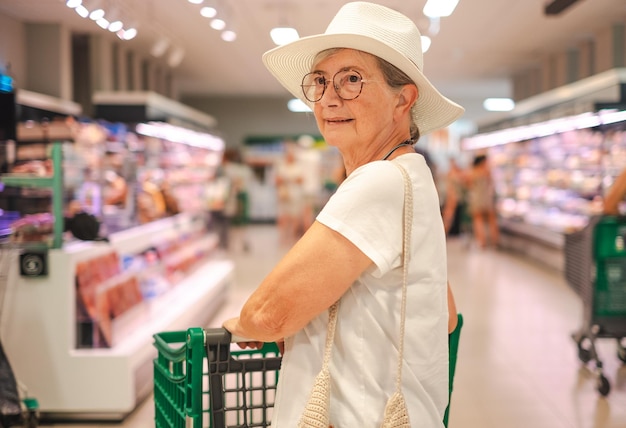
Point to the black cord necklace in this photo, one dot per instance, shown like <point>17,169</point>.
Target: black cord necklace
<point>404,143</point>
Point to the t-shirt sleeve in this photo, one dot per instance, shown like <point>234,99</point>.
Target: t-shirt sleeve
<point>367,210</point>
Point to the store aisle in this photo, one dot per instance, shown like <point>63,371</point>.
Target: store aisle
<point>517,367</point>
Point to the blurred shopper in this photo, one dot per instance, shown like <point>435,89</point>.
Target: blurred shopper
<point>481,203</point>
<point>291,195</point>
<point>615,196</point>
<point>344,279</point>
<point>454,205</point>
<point>224,195</point>
<point>219,197</point>
<point>236,208</point>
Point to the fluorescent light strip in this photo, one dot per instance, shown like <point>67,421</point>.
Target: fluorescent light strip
<point>177,134</point>
<point>543,129</point>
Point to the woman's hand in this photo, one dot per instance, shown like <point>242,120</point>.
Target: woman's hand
<point>259,345</point>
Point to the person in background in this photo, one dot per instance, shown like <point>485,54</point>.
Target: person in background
<point>222,196</point>
<point>363,80</point>
<point>454,204</point>
<point>236,206</point>
<point>615,195</point>
<point>290,191</point>
<point>481,202</point>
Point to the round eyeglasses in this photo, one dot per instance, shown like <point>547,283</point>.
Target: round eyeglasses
<point>347,83</point>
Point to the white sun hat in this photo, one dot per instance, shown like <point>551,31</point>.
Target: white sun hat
<point>379,31</point>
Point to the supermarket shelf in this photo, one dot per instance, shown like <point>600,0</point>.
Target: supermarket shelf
<point>23,180</point>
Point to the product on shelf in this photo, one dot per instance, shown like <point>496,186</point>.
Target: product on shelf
<point>32,228</point>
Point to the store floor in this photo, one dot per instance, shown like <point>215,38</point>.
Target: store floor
<point>517,367</point>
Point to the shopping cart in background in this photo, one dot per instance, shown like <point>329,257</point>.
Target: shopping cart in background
<point>17,408</point>
<point>595,267</point>
<point>199,382</point>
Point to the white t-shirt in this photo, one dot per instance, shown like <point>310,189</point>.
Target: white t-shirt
<point>368,210</point>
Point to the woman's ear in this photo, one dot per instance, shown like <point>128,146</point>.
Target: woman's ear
<point>408,96</point>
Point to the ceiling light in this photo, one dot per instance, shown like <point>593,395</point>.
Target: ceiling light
<point>542,129</point>
<point>439,8</point>
<point>425,43</point>
<point>73,4</point>
<point>176,57</point>
<point>127,34</point>
<point>82,11</point>
<point>96,14</point>
<point>284,35</point>
<point>218,24</point>
<point>498,104</point>
<point>196,1</point>
<point>103,23</point>
<point>229,36</point>
<point>159,47</point>
<point>116,26</point>
<point>208,12</point>
<point>180,135</point>
<point>297,106</point>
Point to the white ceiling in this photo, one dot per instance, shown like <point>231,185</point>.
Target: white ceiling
<point>471,58</point>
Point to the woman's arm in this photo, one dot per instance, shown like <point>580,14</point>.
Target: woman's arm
<point>615,195</point>
<point>452,313</point>
<point>308,280</point>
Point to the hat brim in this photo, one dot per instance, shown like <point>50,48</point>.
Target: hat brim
<point>290,62</point>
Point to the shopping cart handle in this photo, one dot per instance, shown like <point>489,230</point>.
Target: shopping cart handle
<point>238,339</point>
<point>221,335</point>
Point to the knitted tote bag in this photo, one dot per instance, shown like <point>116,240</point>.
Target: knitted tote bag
<point>316,412</point>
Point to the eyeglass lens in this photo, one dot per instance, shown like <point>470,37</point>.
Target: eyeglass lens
<point>347,83</point>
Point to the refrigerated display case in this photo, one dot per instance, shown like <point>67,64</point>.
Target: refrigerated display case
<point>550,186</point>
<point>553,160</point>
<point>92,312</point>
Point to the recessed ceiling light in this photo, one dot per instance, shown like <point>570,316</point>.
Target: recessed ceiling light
<point>82,11</point>
<point>218,24</point>
<point>498,104</point>
<point>96,14</point>
<point>284,35</point>
<point>229,36</point>
<point>208,12</point>
<point>127,34</point>
<point>439,8</point>
<point>103,23</point>
<point>116,26</point>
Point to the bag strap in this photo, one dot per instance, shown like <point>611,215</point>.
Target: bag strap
<point>316,412</point>
<point>406,248</point>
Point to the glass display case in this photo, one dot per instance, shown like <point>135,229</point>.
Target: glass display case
<point>557,181</point>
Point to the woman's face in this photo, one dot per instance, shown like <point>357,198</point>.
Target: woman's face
<point>365,120</point>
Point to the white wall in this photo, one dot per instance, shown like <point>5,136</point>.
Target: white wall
<point>239,118</point>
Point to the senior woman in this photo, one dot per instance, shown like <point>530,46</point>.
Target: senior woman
<point>363,80</point>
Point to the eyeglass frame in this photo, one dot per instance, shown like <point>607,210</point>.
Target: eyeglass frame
<point>335,87</point>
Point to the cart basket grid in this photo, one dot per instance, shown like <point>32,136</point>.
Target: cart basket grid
<point>199,382</point>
